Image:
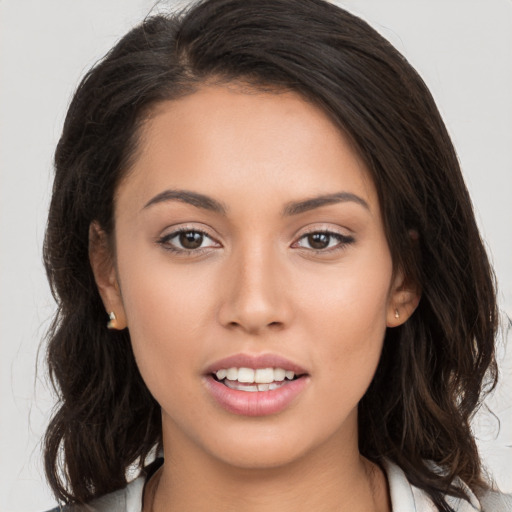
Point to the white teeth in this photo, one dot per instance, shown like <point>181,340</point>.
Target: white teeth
<point>258,376</point>
<point>232,373</point>
<point>264,375</point>
<point>221,374</point>
<point>241,387</point>
<point>279,374</point>
<point>246,375</point>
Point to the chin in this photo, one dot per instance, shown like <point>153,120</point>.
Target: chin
<point>264,447</point>
<point>254,458</point>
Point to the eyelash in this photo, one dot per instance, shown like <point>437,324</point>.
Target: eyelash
<point>343,241</point>
<point>164,241</point>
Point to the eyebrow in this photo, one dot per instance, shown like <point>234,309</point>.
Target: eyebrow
<point>186,196</point>
<point>298,207</point>
<point>293,208</point>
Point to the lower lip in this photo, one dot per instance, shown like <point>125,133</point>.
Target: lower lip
<point>257,403</point>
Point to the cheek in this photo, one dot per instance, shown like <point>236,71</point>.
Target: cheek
<point>351,299</point>
<point>347,315</point>
<point>156,290</point>
<point>166,308</point>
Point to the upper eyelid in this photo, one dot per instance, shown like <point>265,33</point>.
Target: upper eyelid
<point>328,229</point>
<point>172,230</point>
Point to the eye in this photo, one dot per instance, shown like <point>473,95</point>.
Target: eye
<point>323,241</point>
<point>187,240</point>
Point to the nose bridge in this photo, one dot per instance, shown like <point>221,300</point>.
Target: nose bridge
<point>254,298</point>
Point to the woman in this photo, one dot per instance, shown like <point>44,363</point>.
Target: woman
<point>262,201</point>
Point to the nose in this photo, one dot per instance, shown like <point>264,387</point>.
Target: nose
<point>255,296</point>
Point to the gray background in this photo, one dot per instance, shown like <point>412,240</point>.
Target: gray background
<point>462,48</point>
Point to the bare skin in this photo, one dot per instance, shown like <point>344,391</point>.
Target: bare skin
<point>362,489</point>
<point>291,261</point>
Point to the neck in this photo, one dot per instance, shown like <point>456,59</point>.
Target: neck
<point>328,480</point>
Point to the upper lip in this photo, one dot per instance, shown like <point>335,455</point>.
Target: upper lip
<point>255,361</point>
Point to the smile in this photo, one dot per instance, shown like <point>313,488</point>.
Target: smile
<point>254,380</point>
<point>255,386</point>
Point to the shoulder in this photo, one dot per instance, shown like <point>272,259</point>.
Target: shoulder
<point>406,497</point>
<point>128,499</point>
<point>496,501</point>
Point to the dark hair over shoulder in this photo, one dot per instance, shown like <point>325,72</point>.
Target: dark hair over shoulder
<point>429,381</point>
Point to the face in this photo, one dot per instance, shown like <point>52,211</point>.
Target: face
<point>254,276</point>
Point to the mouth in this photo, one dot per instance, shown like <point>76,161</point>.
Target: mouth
<point>255,385</point>
<point>255,379</point>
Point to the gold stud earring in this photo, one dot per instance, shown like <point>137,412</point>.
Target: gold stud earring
<point>397,314</point>
<point>111,324</point>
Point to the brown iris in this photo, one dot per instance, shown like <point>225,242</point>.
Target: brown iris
<point>319,240</point>
<point>191,239</point>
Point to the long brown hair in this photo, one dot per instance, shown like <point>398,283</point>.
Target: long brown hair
<point>428,385</point>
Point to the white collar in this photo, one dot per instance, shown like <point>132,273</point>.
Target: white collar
<point>408,498</point>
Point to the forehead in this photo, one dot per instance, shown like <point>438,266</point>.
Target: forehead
<point>226,140</point>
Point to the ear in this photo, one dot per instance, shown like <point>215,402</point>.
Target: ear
<point>404,298</point>
<point>105,275</point>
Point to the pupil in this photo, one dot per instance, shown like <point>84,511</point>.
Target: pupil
<point>191,239</point>
<point>319,240</point>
